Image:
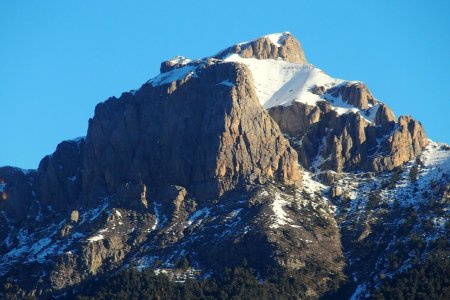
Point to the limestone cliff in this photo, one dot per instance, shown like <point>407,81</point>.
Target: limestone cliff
<point>201,133</point>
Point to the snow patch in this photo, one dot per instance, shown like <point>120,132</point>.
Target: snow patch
<point>157,215</point>
<point>226,83</point>
<point>311,185</point>
<point>145,262</point>
<point>234,213</point>
<point>436,159</point>
<point>342,107</point>
<point>277,38</point>
<point>264,193</point>
<point>96,238</point>
<point>93,214</point>
<point>279,214</point>
<point>278,82</point>
<point>184,72</point>
<point>39,245</point>
<point>360,292</point>
<point>202,212</point>
<point>181,60</point>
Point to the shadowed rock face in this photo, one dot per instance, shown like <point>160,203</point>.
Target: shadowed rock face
<point>59,176</point>
<point>287,49</point>
<point>16,189</point>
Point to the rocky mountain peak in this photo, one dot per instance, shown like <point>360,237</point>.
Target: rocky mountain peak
<point>282,46</point>
<point>251,155</point>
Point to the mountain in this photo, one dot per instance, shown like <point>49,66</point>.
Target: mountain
<point>249,158</point>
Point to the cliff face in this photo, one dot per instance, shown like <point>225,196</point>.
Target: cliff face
<point>207,133</point>
<point>248,155</point>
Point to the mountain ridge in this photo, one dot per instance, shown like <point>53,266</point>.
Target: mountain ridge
<point>194,163</point>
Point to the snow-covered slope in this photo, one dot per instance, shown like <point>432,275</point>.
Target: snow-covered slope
<point>383,213</point>
<point>278,82</point>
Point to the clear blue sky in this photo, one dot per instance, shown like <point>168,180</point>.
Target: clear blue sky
<point>58,59</point>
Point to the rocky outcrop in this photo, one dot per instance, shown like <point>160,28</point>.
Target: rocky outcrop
<point>404,144</point>
<point>66,272</point>
<point>326,140</point>
<point>104,254</point>
<point>286,47</point>
<point>354,93</point>
<point>385,118</point>
<point>131,196</point>
<point>174,63</point>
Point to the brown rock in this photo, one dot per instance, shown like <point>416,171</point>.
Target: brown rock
<point>318,90</point>
<point>66,272</point>
<point>348,142</point>
<point>385,116</point>
<point>289,49</point>
<point>196,133</point>
<point>407,142</point>
<point>336,191</point>
<point>65,230</point>
<point>354,93</point>
<point>173,63</point>
<point>74,215</point>
<point>96,253</point>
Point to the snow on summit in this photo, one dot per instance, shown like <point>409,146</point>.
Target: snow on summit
<point>277,82</point>
<point>276,38</point>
